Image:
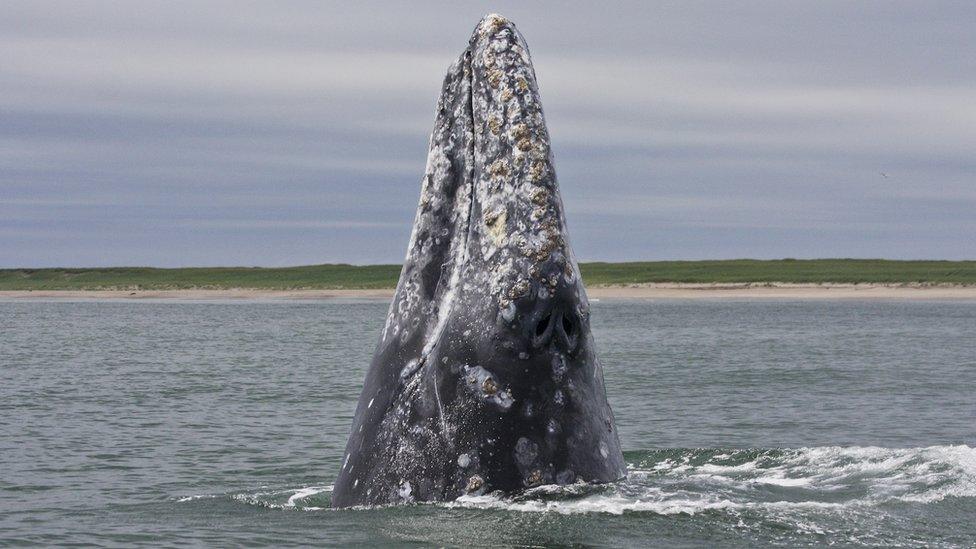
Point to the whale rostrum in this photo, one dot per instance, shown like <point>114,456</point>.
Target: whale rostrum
<point>485,377</point>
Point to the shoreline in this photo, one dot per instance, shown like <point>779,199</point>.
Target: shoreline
<point>633,291</point>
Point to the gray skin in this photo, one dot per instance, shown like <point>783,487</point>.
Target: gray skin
<point>485,378</point>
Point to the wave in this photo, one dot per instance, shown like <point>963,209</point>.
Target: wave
<point>820,479</point>
<point>878,474</point>
<point>304,498</point>
<point>831,479</point>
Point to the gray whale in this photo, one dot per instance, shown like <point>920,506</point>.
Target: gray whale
<point>485,377</point>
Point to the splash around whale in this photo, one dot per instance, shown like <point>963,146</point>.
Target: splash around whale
<point>485,377</point>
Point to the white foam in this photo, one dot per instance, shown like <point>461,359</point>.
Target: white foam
<point>195,497</point>
<point>905,474</point>
<point>781,481</point>
<point>792,485</point>
<point>273,499</point>
<point>303,493</point>
<point>811,478</point>
<point>619,504</point>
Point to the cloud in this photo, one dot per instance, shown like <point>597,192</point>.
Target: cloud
<point>254,133</point>
<point>262,224</point>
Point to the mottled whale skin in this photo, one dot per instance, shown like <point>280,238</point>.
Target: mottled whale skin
<point>485,377</point>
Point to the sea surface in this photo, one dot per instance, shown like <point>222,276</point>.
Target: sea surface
<point>745,423</point>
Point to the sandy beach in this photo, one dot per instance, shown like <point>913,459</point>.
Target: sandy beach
<point>637,291</point>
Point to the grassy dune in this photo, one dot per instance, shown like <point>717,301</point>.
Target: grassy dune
<point>334,276</point>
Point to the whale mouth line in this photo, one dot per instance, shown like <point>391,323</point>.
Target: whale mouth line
<point>448,293</point>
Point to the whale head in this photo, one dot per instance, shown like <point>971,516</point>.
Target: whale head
<point>485,377</point>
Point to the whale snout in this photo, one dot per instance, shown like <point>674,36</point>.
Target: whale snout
<point>485,378</point>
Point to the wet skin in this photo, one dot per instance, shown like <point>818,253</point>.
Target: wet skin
<point>485,377</point>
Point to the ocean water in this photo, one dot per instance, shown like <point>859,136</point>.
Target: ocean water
<point>744,423</point>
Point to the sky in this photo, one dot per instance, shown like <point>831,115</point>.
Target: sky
<point>287,133</point>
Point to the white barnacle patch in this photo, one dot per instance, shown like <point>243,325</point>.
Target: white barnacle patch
<point>525,452</point>
<point>569,275</point>
<point>537,171</point>
<point>520,288</point>
<point>498,168</point>
<point>488,386</point>
<point>503,41</point>
<point>483,384</point>
<point>519,161</point>
<point>522,137</point>
<point>539,196</point>
<point>521,131</point>
<point>495,124</point>
<point>495,77</point>
<point>520,51</point>
<point>508,312</point>
<point>604,451</point>
<point>475,485</point>
<point>405,491</point>
<point>491,23</point>
<point>495,223</point>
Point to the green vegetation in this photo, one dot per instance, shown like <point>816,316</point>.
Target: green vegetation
<point>800,271</point>
<point>813,271</point>
<point>145,278</point>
